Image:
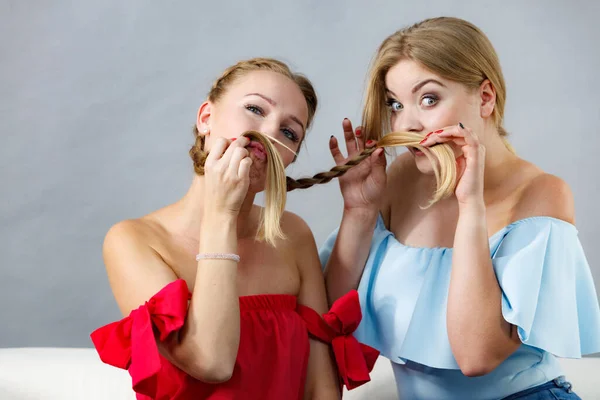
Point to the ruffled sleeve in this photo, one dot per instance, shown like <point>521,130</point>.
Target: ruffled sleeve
<point>130,343</point>
<point>354,360</point>
<point>327,247</point>
<point>547,287</point>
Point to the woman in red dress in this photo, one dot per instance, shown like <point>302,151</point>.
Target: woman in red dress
<point>212,312</point>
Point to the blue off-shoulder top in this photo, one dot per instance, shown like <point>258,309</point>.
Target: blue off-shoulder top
<point>547,293</point>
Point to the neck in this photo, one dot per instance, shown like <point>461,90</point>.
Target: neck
<point>498,160</point>
<point>188,212</point>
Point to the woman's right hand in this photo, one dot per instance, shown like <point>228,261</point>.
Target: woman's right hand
<point>362,186</point>
<point>227,175</point>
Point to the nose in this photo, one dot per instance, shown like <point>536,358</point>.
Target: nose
<point>407,121</point>
<point>270,128</point>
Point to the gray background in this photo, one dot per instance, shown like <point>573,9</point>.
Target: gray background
<point>97,99</point>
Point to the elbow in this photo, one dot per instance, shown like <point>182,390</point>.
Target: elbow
<point>206,366</point>
<point>211,372</point>
<point>474,366</point>
<point>475,370</point>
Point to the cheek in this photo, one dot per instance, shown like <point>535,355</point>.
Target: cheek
<point>233,124</point>
<point>393,121</point>
<point>441,116</point>
<point>287,159</point>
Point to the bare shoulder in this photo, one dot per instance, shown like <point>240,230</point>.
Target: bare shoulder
<point>301,242</point>
<point>546,195</point>
<point>130,233</point>
<point>295,228</point>
<point>135,270</point>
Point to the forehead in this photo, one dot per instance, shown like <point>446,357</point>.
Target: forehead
<point>407,73</point>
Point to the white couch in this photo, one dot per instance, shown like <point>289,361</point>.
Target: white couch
<point>78,374</point>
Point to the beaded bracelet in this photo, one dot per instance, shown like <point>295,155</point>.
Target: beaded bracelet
<point>218,256</point>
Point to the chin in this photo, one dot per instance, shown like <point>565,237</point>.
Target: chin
<point>423,164</point>
<point>258,180</point>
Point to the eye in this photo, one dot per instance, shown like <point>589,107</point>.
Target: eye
<point>254,109</point>
<point>429,100</point>
<point>394,105</point>
<point>290,134</point>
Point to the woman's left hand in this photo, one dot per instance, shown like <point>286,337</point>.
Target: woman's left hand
<point>469,166</point>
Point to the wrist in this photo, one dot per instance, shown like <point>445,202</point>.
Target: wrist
<point>360,216</point>
<point>360,220</point>
<point>221,216</point>
<point>472,209</point>
<point>218,227</point>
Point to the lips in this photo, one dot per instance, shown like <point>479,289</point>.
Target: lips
<point>258,150</point>
<point>416,151</point>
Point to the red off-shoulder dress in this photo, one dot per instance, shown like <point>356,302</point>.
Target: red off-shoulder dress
<point>273,352</point>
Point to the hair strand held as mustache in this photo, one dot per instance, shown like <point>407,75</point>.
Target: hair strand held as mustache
<point>441,157</point>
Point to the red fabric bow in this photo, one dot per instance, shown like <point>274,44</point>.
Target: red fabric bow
<point>130,343</point>
<point>354,360</point>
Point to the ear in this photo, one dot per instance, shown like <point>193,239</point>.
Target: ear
<point>203,118</point>
<point>487,93</point>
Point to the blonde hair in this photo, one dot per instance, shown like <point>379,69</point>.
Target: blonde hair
<point>277,184</point>
<point>450,47</point>
<point>269,228</point>
<point>441,157</point>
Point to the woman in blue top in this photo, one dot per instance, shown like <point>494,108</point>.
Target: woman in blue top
<point>475,296</point>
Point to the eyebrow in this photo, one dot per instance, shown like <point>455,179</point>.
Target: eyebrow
<point>425,82</point>
<point>274,103</point>
<point>390,92</point>
<point>417,86</point>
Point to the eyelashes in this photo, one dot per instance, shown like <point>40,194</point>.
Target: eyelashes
<point>287,132</point>
<point>428,100</point>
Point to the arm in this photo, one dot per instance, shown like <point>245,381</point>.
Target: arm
<point>136,272</point>
<point>362,189</point>
<point>350,252</point>
<point>321,377</point>
<point>206,346</point>
<point>480,337</point>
